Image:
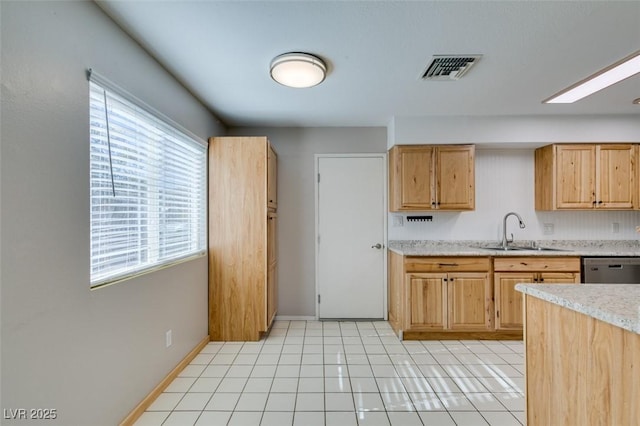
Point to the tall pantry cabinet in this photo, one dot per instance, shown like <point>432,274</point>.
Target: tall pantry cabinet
<point>242,237</point>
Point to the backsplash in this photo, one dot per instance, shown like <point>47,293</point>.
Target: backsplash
<point>505,183</point>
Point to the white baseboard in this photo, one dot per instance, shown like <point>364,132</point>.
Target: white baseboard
<point>295,318</point>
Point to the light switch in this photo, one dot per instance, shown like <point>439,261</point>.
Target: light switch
<point>398,221</point>
<point>548,229</point>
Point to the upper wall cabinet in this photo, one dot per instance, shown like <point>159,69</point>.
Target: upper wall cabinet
<point>586,177</point>
<point>637,185</point>
<point>426,177</point>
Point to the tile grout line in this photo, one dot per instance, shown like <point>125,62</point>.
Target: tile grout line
<point>401,358</point>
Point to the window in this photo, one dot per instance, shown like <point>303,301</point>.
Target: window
<point>148,190</point>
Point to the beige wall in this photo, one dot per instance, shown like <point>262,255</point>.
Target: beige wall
<point>296,148</point>
<point>92,355</point>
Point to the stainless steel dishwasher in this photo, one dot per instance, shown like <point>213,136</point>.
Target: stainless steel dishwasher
<point>611,270</point>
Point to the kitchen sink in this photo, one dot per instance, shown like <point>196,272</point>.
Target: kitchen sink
<point>519,248</point>
<point>542,249</point>
<point>500,248</point>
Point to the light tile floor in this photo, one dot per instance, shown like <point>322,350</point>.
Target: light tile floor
<point>307,373</point>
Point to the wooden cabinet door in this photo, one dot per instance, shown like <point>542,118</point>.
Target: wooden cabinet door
<point>426,301</point>
<point>411,185</point>
<point>272,178</point>
<point>636,165</point>
<point>615,181</point>
<point>575,176</point>
<point>470,299</point>
<point>237,238</point>
<point>509,314</point>
<point>272,285</point>
<point>417,177</point>
<point>455,177</point>
<point>559,278</point>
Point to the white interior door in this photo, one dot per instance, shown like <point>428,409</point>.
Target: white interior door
<point>351,235</point>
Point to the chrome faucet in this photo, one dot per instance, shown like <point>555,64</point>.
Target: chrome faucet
<point>505,241</point>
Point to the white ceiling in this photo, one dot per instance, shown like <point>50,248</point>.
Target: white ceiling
<point>377,51</point>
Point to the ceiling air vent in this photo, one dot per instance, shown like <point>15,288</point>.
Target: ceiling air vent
<point>449,67</point>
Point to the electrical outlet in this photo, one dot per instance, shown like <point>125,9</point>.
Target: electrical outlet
<point>548,229</point>
<point>397,221</point>
<point>615,227</point>
<point>167,339</point>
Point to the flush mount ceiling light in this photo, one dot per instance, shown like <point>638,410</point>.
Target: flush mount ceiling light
<point>297,69</point>
<point>619,71</point>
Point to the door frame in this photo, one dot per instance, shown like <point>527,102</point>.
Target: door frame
<point>385,215</point>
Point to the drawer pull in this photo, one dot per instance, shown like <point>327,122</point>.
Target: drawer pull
<point>447,264</point>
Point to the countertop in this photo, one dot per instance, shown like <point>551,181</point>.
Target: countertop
<point>471,248</point>
<point>616,304</point>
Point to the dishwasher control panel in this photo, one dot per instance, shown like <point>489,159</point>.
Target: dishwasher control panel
<point>611,270</point>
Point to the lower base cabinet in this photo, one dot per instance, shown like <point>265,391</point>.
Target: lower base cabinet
<point>454,301</point>
<point>539,270</point>
<point>440,298</point>
<point>467,297</point>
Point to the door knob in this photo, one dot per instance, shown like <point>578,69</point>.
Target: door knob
<point>377,246</point>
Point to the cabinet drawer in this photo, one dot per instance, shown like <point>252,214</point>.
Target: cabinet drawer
<point>446,264</point>
<point>538,264</point>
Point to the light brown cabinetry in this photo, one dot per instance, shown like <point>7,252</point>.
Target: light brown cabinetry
<point>426,177</point>
<point>452,301</point>
<point>242,250</point>
<point>272,294</point>
<point>467,297</point>
<point>395,290</point>
<point>586,177</point>
<point>636,164</point>
<point>470,301</point>
<point>440,297</point>
<point>427,301</point>
<point>535,270</point>
<point>579,370</point>
<point>272,178</point>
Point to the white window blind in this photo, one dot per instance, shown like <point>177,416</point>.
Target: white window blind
<point>148,190</point>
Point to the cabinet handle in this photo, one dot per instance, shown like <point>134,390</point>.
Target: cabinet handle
<point>600,202</point>
<point>445,280</point>
<point>447,264</point>
<point>541,280</point>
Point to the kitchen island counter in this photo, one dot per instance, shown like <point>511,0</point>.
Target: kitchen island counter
<point>582,346</point>
<point>615,304</point>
